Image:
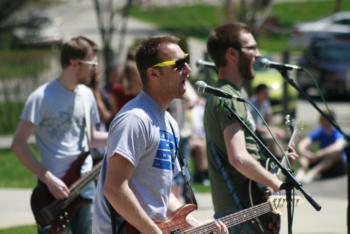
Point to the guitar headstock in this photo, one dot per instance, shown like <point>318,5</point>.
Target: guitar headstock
<point>290,122</point>
<point>278,202</point>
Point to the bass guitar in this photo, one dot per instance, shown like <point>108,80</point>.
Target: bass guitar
<point>54,215</point>
<point>177,223</point>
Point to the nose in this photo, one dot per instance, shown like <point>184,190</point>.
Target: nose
<point>257,53</point>
<point>187,69</point>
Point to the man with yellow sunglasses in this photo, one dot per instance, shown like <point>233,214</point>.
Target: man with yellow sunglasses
<point>135,183</point>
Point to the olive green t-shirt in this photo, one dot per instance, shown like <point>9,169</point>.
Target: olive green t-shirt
<point>216,119</point>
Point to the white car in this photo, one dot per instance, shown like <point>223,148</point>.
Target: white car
<point>303,32</point>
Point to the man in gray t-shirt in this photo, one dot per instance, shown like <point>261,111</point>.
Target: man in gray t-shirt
<point>59,114</point>
<point>136,177</point>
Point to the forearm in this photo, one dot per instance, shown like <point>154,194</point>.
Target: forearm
<point>303,146</point>
<point>123,200</point>
<point>333,149</point>
<point>99,139</point>
<point>27,158</point>
<point>245,163</point>
<point>174,204</point>
<point>251,168</point>
<point>105,114</point>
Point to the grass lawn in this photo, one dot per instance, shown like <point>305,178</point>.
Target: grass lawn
<point>28,229</point>
<point>15,175</point>
<point>12,173</point>
<point>197,20</point>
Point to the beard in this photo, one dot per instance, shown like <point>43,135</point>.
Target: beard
<point>245,66</point>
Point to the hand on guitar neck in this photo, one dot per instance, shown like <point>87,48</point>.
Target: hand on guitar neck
<point>290,157</point>
<point>54,214</point>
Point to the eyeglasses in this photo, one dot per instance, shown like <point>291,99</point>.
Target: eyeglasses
<point>252,48</point>
<point>178,64</point>
<point>92,63</point>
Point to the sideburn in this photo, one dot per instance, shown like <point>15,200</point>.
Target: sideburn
<point>245,67</point>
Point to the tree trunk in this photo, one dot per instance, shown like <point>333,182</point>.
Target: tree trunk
<point>337,5</point>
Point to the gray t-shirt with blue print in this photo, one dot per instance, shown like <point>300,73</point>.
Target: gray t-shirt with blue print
<point>142,134</point>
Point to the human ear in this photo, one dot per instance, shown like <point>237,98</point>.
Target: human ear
<point>231,55</point>
<point>73,62</point>
<point>152,73</point>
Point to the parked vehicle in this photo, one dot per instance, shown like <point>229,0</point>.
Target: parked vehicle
<point>304,32</point>
<point>33,29</point>
<point>328,60</point>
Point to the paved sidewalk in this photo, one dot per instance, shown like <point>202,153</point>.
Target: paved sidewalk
<point>5,141</point>
<point>15,209</point>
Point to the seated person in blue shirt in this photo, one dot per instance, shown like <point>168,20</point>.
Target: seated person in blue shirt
<point>329,159</point>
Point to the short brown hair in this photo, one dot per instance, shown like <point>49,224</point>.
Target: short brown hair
<point>224,37</point>
<point>147,54</point>
<point>76,48</point>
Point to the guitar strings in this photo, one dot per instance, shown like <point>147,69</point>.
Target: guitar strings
<point>234,219</point>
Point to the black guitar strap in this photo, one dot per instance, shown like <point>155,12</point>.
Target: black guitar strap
<point>112,212</point>
<point>184,169</point>
<point>220,167</point>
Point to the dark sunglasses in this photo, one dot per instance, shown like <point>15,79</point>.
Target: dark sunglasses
<point>178,64</point>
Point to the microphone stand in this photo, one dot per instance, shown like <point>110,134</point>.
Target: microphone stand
<point>336,126</point>
<point>291,181</point>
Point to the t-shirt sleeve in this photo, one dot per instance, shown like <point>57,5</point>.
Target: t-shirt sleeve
<point>32,109</point>
<point>268,108</point>
<point>315,135</point>
<point>338,135</point>
<point>95,117</point>
<point>223,114</point>
<point>127,137</point>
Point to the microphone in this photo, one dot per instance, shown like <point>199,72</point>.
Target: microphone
<point>279,66</point>
<point>204,63</point>
<point>204,88</point>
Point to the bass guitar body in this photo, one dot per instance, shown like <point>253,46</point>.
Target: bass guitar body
<point>56,215</point>
<point>270,222</point>
<point>175,225</point>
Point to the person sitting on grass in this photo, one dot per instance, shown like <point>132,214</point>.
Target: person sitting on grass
<point>329,159</point>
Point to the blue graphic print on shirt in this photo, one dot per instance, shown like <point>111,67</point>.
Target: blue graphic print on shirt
<point>165,156</point>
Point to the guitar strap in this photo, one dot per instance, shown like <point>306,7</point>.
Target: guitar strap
<point>87,117</point>
<point>220,167</point>
<point>184,169</point>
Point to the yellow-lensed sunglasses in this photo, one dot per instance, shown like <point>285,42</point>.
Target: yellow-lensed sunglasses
<point>178,64</point>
